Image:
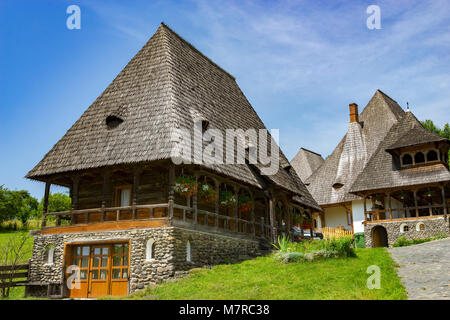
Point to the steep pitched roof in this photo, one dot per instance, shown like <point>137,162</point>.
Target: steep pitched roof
<point>306,162</point>
<point>380,173</point>
<point>349,158</point>
<point>167,85</point>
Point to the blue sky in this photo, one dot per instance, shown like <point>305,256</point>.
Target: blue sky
<point>300,63</point>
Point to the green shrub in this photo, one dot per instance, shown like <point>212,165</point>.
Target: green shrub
<point>402,242</point>
<point>282,244</point>
<point>359,240</point>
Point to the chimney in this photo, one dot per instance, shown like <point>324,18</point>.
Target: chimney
<point>354,117</point>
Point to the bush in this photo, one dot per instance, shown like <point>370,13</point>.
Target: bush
<point>359,240</point>
<point>313,249</point>
<point>402,242</point>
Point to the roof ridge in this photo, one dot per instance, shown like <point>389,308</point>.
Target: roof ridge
<point>198,51</point>
<point>311,151</point>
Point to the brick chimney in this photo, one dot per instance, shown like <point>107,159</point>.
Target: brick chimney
<point>354,117</point>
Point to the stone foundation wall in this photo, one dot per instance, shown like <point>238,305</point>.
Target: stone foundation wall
<point>432,228</point>
<point>169,253</point>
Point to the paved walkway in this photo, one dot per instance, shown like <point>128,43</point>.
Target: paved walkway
<point>425,269</point>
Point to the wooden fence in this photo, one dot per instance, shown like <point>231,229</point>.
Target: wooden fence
<point>10,273</point>
<point>330,233</point>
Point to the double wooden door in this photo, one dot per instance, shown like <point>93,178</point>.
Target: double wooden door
<point>103,270</point>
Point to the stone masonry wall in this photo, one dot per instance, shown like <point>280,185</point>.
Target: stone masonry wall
<point>169,253</point>
<point>433,227</point>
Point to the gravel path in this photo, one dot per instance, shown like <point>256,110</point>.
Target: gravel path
<point>425,269</point>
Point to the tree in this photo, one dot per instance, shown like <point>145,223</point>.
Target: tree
<point>17,205</point>
<point>445,132</point>
<point>56,202</point>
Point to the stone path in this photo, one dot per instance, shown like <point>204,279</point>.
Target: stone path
<point>425,269</point>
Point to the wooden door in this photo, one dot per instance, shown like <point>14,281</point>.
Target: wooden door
<point>99,274</point>
<point>80,256</point>
<point>104,270</point>
<point>119,270</point>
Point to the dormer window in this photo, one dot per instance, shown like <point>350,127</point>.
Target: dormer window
<point>432,155</point>
<point>419,157</point>
<point>407,160</point>
<point>113,122</point>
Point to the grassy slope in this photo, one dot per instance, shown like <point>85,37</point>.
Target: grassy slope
<point>264,278</point>
<point>16,293</point>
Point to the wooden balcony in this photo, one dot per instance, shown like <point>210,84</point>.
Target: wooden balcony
<point>152,216</point>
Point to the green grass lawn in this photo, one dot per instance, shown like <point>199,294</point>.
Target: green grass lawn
<point>265,278</point>
<point>16,293</point>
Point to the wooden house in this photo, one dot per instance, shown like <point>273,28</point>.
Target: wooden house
<point>137,217</point>
<point>388,177</point>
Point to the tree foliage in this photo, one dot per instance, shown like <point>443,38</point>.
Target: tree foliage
<point>56,202</point>
<point>444,132</point>
<point>17,205</point>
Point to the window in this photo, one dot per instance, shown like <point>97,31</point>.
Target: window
<point>49,254</point>
<point>404,228</point>
<point>432,156</point>
<point>420,226</point>
<point>188,251</point>
<point>419,157</point>
<point>150,252</point>
<point>349,218</point>
<point>123,196</point>
<point>407,160</point>
<point>113,122</point>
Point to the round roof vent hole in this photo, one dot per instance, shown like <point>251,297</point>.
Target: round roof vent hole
<point>113,122</point>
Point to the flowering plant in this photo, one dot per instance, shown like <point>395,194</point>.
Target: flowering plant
<point>245,204</point>
<point>227,198</point>
<point>207,193</point>
<point>429,193</point>
<point>186,186</point>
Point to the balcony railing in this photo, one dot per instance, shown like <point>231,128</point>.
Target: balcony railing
<point>179,215</point>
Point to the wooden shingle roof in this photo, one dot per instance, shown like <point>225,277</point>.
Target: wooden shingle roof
<point>353,152</point>
<point>167,85</point>
<point>379,173</point>
<point>306,162</point>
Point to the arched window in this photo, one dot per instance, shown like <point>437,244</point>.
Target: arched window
<point>419,157</point>
<point>407,160</point>
<point>420,226</point>
<point>150,250</point>
<point>188,252</point>
<point>432,155</point>
<point>404,228</point>
<point>49,254</point>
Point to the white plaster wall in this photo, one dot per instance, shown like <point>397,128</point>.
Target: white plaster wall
<point>336,216</point>
<point>358,214</point>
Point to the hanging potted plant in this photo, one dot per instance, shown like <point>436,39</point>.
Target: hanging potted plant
<point>279,212</point>
<point>186,186</point>
<point>245,204</point>
<point>306,222</point>
<point>403,196</point>
<point>207,194</point>
<point>429,194</point>
<point>227,198</point>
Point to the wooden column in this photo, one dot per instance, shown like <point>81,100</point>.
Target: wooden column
<point>272,219</point>
<point>45,204</point>
<point>105,190</point>
<point>253,217</point>
<point>288,221</point>
<point>194,203</point>
<point>365,207</point>
<point>216,207</point>
<point>390,205</point>
<point>136,181</point>
<point>75,189</point>
<point>171,191</point>
<point>235,209</point>
<point>415,202</point>
<point>444,201</point>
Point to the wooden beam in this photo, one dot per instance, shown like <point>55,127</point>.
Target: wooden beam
<point>45,204</point>
<point>136,180</point>
<point>415,202</point>
<point>390,205</point>
<point>365,207</point>
<point>444,201</point>
<point>272,219</point>
<point>75,190</point>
